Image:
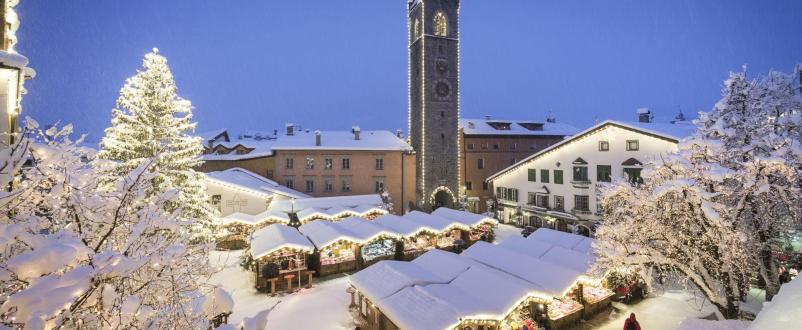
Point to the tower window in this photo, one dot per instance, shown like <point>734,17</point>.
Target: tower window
<point>440,24</point>
<point>416,29</point>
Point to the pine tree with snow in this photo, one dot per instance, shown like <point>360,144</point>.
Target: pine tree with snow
<point>76,256</point>
<point>152,122</point>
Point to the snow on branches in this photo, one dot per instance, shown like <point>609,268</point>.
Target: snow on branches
<point>152,122</point>
<point>716,209</point>
<point>77,256</point>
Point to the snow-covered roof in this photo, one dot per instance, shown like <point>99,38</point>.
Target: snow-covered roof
<point>276,237</point>
<point>443,263</point>
<point>213,134</point>
<point>400,225</point>
<point>416,308</point>
<point>243,179</point>
<point>389,276</point>
<point>514,127</point>
<point>365,230</point>
<point>353,201</point>
<point>439,224</point>
<point>672,132</point>
<point>559,238</point>
<point>323,233</point>
<point>467,218</point>
<point>555,282</point>
<point>13,59</point>
<point>306,140</point>
<point>532,248</point>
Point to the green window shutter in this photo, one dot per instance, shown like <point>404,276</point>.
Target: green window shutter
<point>558,176</point>
<point>532,174</point>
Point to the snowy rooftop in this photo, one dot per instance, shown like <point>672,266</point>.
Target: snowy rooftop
<point>306,140</point>
<point>276,237</point>
<point>466,218</point>
<point>438,224</point>
<point>514,127</point>
<point>326,202</point>
<point>386,277</point>
<point>675,132</point>
<point>255,183</point>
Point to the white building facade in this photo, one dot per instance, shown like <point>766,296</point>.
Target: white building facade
<point>559,187</point>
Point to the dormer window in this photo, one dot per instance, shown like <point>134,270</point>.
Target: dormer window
<point>532,126</point>
<point>440,24</point>
<point>501,126</point>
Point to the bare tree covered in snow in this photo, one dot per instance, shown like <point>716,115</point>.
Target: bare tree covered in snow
<point>76,256</point>
<point>152,123</point>
<point>715,210</point>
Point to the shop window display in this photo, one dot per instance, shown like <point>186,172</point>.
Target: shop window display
<point>593,295</point>
<point>482,232</point>
<point>560,308</point>
<point>421,242</point>
<point>337,253</point>
<point>378,249</point>
<point>447,240</point>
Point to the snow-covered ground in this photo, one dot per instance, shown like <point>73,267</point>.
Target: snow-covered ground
<point>324,306</point>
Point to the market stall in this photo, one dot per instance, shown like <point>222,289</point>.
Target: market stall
<point>595,298</point>
<point>377,242</point>
<point>415,238</point>
<point>336,248</point>
<point>280,254</point>
<point>476,226</point>
<point>563,313</point>
<point>377,250</point>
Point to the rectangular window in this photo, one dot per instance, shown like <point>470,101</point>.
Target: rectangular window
<point>470,146</point>
<point>269,174</point>
<point>633,175</point>
<point>544,176</point>
<point>484,145</point>
<point>485,186</point>
<point>328,184</point>
<point>558,176</point>
<point>346,163</point>
<point>379,163</point>
<point>581,203</point>
<point>531,175</point>
<point>513,194</point>
<point>468,186</point>
<point>559,203</point>
<point>378,184</point>
<point>632,145</point>
<point>346,181</point>
<point>531,198</point>
<point>500,192</point>
<point>543,201</point>
<point>581,173</point>
<point>217,202</point>
<point>480,163</point>
<point>310,162</point>
<point>495,146</point>
<point>328,163</point>
<point>513,146</point>
<point>603,173</point>
<point>289,182</point>
<point>288,162</point>
<point>604,146</point>
<point>310,185</point>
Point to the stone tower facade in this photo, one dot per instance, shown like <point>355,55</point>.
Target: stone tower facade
<point>434,99</point>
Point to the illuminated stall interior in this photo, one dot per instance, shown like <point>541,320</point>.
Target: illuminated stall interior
<point>280,256</point>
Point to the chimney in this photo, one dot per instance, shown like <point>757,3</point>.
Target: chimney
<point>290,129</point>
<point>644,115</point>
<point>317,138</point>
<point>487,117</point>
<point>355,130</point>
<point>398,133</point>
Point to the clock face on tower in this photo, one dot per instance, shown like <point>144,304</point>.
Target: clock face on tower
<point>442,89</point>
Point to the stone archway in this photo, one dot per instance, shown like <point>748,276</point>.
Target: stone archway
<point>583,230</point>
<point>442,197</point>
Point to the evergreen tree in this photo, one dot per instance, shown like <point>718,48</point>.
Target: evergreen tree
<point>152,122</point>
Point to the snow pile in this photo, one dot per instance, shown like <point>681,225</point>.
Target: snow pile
<point>785,309</point>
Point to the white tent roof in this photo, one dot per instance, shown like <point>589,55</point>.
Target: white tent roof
<point>326,202</point>
<point>467,218</point>
<point>363,229</point>
<point>554,279</point>
<point>389,276</point>
<point>276,237</point>
<point>443,263</point>
<point>570,259</point>
<point>399,225</point>
<point>416,308</point>
<point>439,224</point>
<point>557,237</point>
<point>323,233</point>
<point>529,247</point>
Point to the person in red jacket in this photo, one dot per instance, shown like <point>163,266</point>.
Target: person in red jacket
<point>631,323</point>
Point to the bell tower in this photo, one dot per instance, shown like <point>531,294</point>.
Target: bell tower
<point>434,99</point>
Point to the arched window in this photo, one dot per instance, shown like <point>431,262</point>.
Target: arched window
<point>440,24</point>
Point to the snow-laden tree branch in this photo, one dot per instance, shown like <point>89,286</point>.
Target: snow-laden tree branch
<point>77,256</point>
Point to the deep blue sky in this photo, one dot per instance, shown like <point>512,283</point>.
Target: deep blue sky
<point>333,64</point>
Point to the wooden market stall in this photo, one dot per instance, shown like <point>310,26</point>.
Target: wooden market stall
<point>280,254</point>
<point>336,250</point>
<point>479,227</point>
<point>236,228</point>
<point>416,239</point>
<point>447,232</point>
<point>377,242</point>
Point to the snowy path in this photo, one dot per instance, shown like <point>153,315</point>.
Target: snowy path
<point>325,306</point>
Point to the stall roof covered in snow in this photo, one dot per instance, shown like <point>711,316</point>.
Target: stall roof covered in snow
<point>467,218</point>
<point>387,277</point>
<point>399,225</point>
<point>276,237</point>
<point>784,311</point>
<point>307,140</point>
<point>352,201</point>
<point>566,240</point>
<point>514,127</point>
<point>439,224</point>
<point>323,233</point>
<point>243,179</point>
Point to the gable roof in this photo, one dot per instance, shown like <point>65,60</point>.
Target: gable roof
<point>252,182</point>
<point>669,132</point>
